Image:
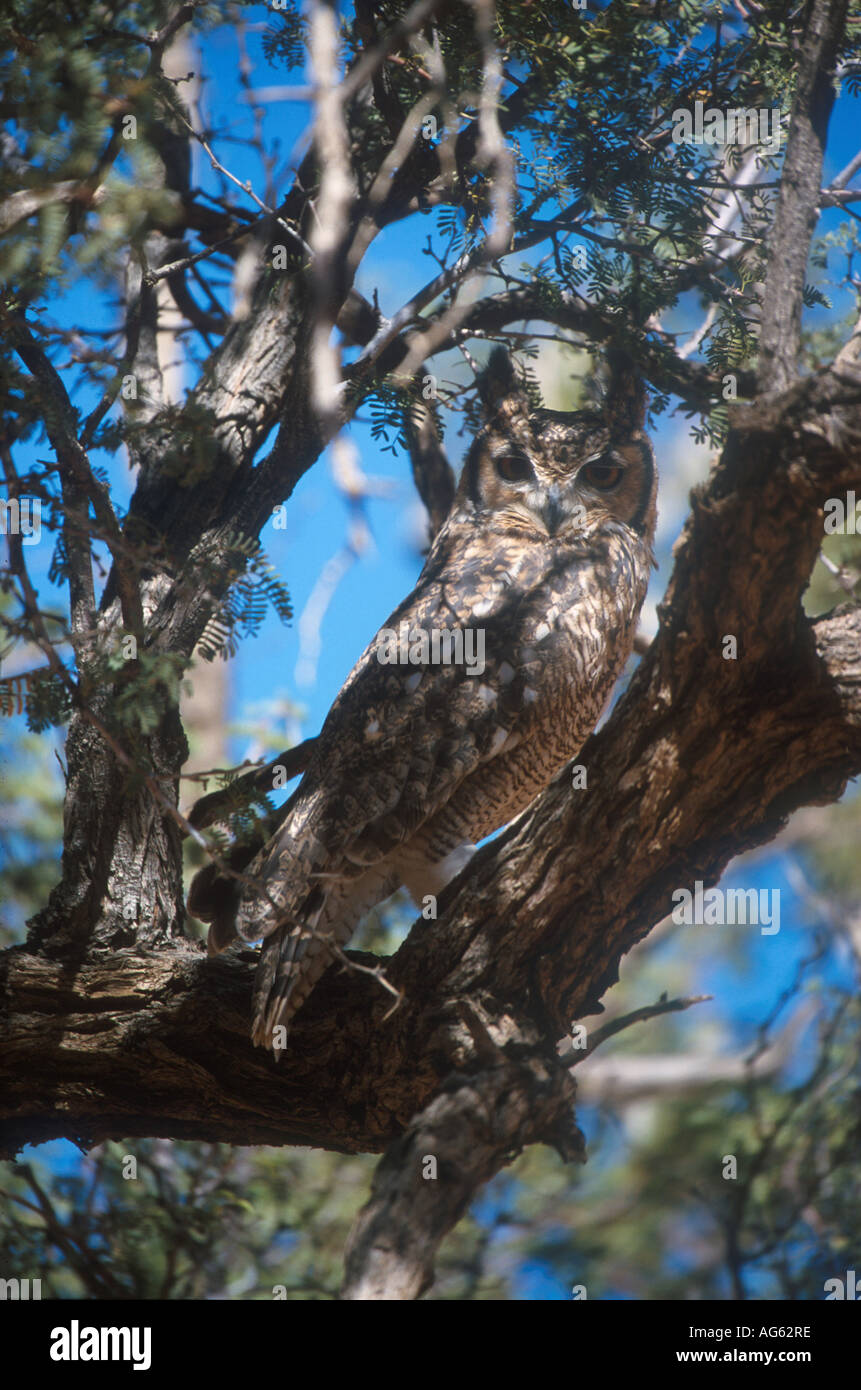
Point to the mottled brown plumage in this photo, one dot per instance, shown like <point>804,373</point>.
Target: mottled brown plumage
<point>547,552</point>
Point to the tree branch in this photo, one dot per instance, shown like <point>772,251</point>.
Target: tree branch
<point>479,1122</point>
<point>798,199</point>
<point>162,1038</point>
<point>79,487</point>
<point>432,472</point>
<point>218,805</point>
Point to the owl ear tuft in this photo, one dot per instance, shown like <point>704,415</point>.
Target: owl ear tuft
<point>499,381</point>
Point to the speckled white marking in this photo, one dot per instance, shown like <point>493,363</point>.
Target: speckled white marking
<point>529,695</point>
<point>506,673</point>
<point>413,682</point>
<point>487,694</point>
<point>498,740</point>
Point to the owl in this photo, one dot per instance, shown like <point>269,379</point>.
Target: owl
<point>480,687</point>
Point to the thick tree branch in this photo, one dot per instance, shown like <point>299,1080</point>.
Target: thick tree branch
<point>477,1124</point>
<point>18,206</point>
<point>798,199</point>
<point>697,387</point>
<point>139,1044</point>
<point>776,729</point>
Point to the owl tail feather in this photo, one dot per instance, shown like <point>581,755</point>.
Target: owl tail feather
<point>291,962</point>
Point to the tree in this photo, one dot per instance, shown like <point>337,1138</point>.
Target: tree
<point>554,154</point>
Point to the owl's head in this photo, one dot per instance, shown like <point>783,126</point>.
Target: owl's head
<point>553,472</point>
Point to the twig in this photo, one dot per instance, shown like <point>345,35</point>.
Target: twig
<point>617,1025</point>
<point>77,478</point>
<point>246,187</point>
<point>377,973</point>
<point>217,805</point>
<point>410,23</point>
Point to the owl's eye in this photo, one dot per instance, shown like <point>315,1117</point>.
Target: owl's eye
<point>514,468</point>
<point>602,475</point>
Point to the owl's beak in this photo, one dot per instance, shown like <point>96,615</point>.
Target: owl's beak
<point>552,510</point>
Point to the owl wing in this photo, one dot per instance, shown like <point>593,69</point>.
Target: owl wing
<point>398,742</point>
<point>400,738</point>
